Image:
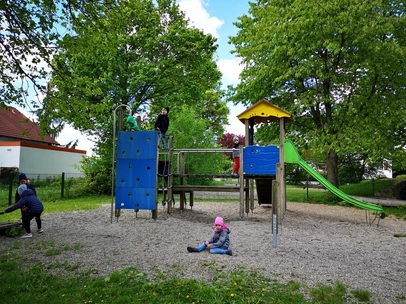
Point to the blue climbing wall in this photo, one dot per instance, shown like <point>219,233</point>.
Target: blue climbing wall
<point>260,160</point>
<point>136,176</point>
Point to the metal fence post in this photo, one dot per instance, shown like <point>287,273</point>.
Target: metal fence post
<point>10,188</point>
<point>62,184</point>
<point>373,187</point>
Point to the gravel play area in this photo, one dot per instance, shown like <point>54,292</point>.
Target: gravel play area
<point>316,243</point>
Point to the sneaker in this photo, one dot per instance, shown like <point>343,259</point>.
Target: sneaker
<point>40,230</point>
<point>229,252</point>
<point>191,249</point>
<point>27,235</point>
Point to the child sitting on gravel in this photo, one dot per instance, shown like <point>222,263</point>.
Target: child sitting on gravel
<point>219,242</point>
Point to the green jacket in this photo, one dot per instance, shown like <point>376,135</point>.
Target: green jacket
<point>131,125</point>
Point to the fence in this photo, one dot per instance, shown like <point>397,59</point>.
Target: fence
<point>49,186</point>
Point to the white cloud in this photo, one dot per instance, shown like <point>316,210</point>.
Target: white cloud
<point>199,17</point>
<point>235,125</point>
<point>231,69</point>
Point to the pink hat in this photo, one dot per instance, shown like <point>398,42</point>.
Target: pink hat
<point>219,221</point>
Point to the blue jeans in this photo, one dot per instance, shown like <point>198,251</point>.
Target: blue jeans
<point>162,139</point>
<point>214,250</point>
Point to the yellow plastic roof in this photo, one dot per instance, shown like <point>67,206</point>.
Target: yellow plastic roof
<point>263,111</point>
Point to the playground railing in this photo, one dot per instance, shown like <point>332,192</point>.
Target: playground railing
<point>202,163</point>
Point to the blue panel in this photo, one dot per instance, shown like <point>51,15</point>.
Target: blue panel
<point>139,173</point>
<point>136,198</point>
<point>137,145</point>
<point>260,160</point>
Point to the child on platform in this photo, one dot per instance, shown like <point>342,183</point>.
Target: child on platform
<point>219,242</point>
<point>131,124</point>
<point>236,156</point>
<point>162,125</point>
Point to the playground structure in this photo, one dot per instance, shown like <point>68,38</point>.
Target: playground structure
<point>143,171</point>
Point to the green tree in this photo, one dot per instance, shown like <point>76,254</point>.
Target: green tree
<point>29,35</point>
<point>190,130</point>
<point>140,53</point>
<point>211,110</point>
<point>337,66</point>
<point>136,54</point>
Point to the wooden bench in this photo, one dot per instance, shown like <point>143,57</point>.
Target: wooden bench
<point>9,225</point>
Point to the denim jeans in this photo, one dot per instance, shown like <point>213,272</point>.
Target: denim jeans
<point>162,139</point>
<point>214,250</point>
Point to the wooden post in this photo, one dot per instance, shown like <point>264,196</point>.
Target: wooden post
<point>170,175</point>
<point>182,172</point>
<point>241,202</point>
<point>241,180</point>
<point>275,208</point>
<point>278,193</point>
<point>252,194</point>
<point>281,171</point>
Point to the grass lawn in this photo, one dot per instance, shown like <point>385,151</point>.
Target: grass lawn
<point>34,284</point>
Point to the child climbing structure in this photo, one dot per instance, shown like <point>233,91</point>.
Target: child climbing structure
<point>139,163</point>
<point>264,111</point>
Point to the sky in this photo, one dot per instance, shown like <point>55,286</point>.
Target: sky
<point>216,17</point>
<point>213,17</point>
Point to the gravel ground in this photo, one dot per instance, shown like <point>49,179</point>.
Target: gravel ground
<point>316,243</point>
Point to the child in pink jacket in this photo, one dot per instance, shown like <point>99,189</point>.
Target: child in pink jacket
<point>219,242</point>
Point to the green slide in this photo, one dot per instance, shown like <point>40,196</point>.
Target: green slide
<point>292,156</point>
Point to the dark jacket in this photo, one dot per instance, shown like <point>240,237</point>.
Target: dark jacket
<point>162,122</point>
<point>236,151</point>
<point>29,186</point>
<point>220,239</point>
<point>30,201</point>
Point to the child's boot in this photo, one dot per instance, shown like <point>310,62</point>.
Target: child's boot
<point>191,249</point>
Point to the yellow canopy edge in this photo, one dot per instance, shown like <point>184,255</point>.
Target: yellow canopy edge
<point>263,111</point>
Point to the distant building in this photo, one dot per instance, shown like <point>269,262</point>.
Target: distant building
<point>24,149</point>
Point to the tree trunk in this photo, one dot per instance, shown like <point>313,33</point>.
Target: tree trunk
<point>332,168</point>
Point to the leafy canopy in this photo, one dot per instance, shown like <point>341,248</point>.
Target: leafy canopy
<point>30,30</point>
<point>137,53</point>
<point>337,66</point>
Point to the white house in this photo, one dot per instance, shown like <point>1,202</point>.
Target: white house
<point>23,148</point>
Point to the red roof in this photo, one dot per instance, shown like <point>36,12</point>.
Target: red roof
<point>15,125</point>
